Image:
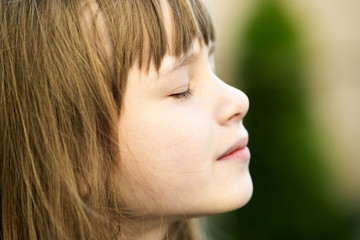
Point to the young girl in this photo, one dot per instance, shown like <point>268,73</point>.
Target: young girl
<point>113,123</point>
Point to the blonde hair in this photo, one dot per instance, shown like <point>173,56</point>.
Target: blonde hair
<point>60,100</point>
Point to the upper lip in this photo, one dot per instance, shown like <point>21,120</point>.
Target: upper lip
<point>241,143</point>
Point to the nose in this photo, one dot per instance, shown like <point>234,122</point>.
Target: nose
<point>232,104</point>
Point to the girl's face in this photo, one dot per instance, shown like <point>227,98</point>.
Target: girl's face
<point>174,129</point>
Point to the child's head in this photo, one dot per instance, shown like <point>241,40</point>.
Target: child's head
<point>112,119</point>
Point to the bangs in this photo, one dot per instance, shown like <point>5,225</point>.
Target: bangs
<point>144,35</point>
<point>63,75</point>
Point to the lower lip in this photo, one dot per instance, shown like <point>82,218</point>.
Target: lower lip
<point>239,154</point>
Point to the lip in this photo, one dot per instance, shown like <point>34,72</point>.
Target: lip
<point>239,150</point>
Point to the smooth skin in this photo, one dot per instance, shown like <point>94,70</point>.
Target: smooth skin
<point>173,127</point>
<point>174,139</point>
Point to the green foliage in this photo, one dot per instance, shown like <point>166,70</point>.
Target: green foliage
<point>289,200</point>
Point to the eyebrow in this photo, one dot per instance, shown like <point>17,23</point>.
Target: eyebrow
<point>187,58</point>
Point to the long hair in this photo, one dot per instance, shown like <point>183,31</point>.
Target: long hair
<point>61,94</point>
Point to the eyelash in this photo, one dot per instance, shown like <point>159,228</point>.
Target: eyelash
<point>183,95</point>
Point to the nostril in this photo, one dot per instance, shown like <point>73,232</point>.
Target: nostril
<point>236,117</point>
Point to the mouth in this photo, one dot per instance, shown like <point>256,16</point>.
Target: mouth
<point>238,151</point>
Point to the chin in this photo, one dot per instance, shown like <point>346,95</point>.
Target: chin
<point>229,200</point>
<point>239,198</point>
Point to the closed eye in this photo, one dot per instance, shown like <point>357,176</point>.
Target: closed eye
<point>183,95</point>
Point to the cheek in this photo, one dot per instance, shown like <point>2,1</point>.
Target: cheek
<point>171,154</point>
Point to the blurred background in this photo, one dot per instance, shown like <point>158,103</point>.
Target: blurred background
<point>299,63</point>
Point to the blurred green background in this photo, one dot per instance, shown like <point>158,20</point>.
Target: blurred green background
<point>302,77</point>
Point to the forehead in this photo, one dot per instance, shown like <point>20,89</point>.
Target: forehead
<point>171,64</point>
